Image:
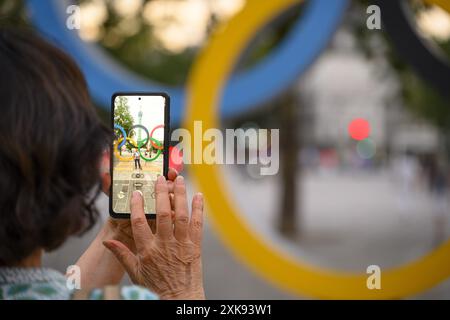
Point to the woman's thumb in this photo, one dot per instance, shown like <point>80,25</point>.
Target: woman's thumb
<point>126,258</point>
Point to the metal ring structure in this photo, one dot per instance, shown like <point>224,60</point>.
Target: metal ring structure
<point>263,258</point>
<point>421,54</point>
<point>124,134</point>
<point>158,153</point>
<point>154,145</point>
<point>140,143</point>
<point>116,149</point>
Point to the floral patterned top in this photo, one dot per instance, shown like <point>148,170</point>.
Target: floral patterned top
<point>48,284</point>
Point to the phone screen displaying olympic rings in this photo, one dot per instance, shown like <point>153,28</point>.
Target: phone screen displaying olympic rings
<point>138,149</point>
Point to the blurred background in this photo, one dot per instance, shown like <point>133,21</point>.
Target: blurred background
<point>337,202</point>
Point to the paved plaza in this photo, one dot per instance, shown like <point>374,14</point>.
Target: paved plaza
<point>127,179</point>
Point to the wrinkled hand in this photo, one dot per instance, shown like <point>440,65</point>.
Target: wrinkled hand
<point>120,229</point>
<point>169,261</point>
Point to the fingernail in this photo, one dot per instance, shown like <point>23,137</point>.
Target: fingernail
<point>179,179</point>
<point>199,197</point>
<point>161,179</point>
<point>104,170</point>
<point>137,193</point>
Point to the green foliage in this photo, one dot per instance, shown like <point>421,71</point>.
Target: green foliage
<point>268,40</point>
<point>12,13</point>
<point>425,101</point>
<point>122,115</point>
<point>142,53</point>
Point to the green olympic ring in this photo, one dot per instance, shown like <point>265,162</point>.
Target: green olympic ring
<point>158,153</point>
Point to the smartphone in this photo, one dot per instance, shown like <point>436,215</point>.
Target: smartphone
<point>139,152</point>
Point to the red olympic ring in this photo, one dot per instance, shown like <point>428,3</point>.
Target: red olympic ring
<point>154,145</point>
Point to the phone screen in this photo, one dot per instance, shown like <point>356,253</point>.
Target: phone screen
<point>139,150</point>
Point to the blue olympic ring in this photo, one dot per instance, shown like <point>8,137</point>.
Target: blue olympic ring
<point>124,134</point>
<point>247,89</point>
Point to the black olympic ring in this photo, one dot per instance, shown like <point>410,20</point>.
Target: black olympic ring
<point>428,62</point>
<point>139,145</point>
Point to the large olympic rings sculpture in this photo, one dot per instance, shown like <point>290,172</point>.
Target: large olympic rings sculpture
<point>281,269</point>
<point>119,142</point>
<point>302,45</point>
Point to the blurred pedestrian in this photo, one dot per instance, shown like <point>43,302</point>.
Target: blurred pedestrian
<point>407,169</point>
<point>137,159</point>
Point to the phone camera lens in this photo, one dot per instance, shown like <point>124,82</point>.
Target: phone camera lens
<point>139,98</point>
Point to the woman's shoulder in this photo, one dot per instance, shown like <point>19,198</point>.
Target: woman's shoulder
<point>50,291</point>
<point>47,284</point>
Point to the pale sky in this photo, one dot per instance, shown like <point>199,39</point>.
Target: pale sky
<point>176,24</point>
<point>435,22</point>
<point>152,113</point>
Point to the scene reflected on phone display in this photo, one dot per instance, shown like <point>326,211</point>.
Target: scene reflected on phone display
<point>138,149</point>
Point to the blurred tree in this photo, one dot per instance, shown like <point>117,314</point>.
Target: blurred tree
<point>132,42</point>
<point>290,170</point>
<point>12,12</point>
<point>417,96</point>
<point>122,116</point>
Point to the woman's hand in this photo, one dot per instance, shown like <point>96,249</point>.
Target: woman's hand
<point>169,261</point>
<point>99,267</point>
<point>120,229</point>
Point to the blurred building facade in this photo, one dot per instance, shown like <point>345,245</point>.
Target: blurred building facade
<point>344,85</point>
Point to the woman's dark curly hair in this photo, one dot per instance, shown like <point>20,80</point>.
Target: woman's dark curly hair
<point>51,145</point>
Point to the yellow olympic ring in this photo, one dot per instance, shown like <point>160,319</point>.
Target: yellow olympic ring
<point>281,269</point>
<point>116,151</point>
